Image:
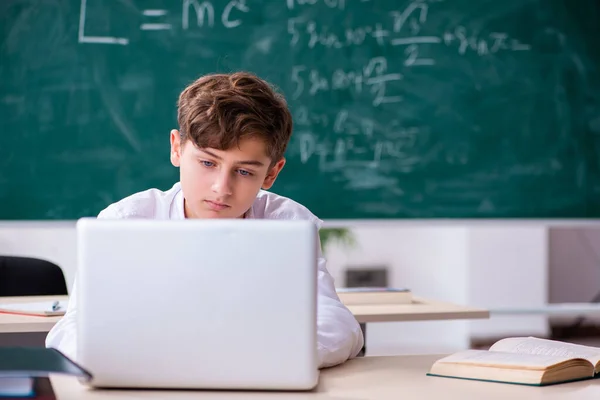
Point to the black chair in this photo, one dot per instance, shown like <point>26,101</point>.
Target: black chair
<point>26,276</point>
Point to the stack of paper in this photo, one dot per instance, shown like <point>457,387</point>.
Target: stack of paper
<point>374,296</point>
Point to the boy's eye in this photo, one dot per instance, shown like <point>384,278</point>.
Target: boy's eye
<point>243,172</point>
<point>208,164</point>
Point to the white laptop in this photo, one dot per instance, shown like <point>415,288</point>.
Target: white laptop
<point>199,304</point>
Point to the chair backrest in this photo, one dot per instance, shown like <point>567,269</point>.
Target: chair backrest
<point>26,276</point>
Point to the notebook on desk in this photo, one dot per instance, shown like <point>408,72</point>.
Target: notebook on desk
<point>40,308</point>
<point>374,295</point>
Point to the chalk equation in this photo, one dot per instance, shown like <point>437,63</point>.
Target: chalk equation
<point>373,77</point>
<point>404,29</point>
<point>344,152</point>
<point>193,12</point>
<point>355,140</point>
<point>399,28</point>
<point>391,46</point>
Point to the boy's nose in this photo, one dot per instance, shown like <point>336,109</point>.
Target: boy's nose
<point>222,185</point>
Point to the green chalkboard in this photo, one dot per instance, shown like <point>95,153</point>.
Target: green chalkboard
<point>403,109</point>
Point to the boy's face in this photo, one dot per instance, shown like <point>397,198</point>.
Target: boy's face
<point>222,183</point>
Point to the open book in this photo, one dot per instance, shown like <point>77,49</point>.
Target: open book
<point>523,360</point>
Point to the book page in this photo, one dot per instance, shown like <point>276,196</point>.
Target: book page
<point>503,360</point>
<point>532,345</point>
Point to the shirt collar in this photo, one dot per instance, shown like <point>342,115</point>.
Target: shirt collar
<point>177,209</point>
<point>249,214</point>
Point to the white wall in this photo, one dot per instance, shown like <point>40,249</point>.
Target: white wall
<point>431,261</point>
<point>479,264</point>
<point>509,269</point>
<point>468,263</point>
<point>53,241</point>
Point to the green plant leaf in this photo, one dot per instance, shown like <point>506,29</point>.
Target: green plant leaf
<point>340,235</point>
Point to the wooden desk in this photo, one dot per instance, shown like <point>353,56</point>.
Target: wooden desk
<point>373,378</point>
<point>420,310</point>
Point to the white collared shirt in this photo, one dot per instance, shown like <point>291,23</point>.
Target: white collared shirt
<point>339,336</point>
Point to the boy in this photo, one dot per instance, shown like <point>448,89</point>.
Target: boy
<point>234,130</point>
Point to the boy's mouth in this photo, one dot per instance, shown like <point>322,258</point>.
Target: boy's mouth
<point>215,205</point>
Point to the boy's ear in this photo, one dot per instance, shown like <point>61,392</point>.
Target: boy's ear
<point>272,175</point>
<point>175,148</point>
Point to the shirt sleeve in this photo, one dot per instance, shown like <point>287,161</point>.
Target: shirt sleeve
<point>63,335</point>
<point>339,336</point>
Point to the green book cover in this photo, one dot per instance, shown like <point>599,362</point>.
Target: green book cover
<point>516,383</point>
<point>37,362</point>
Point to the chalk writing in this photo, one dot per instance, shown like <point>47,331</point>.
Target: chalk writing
<point>155,26</point>
<point>373,75</point>
<point>345,152</point>
<point>338,4</point>
<point>341,123</point>
<point>239,5</point>
<point>315,34</point>
<point>195,13</point>
<point>418,8</point>
<point>412,18</point>
<point>318,35</point>
<point>305,117</point>
<point>83,38</point>
<point>205,13</point>
<point>355,141</point>
<point>399,28</point>
<point>482,45</point>
<point>351,139</point>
